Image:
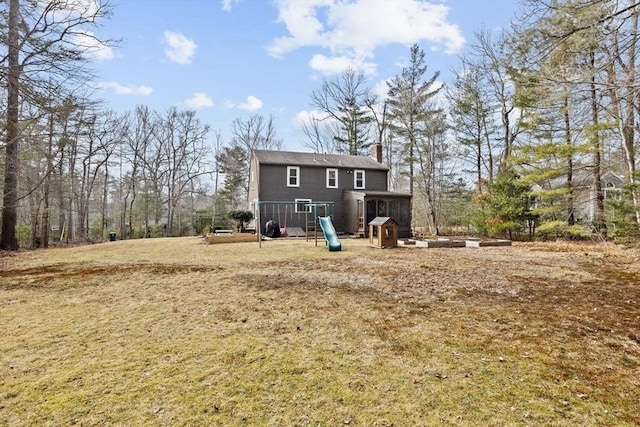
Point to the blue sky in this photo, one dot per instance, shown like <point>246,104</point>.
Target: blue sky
<point>233,58</point>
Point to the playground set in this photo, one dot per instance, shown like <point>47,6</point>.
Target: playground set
<point>317,216</point>
<point>311,212</point>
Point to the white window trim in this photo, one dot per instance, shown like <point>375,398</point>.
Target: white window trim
<point>612,193</point>
<point>297,169</point>
<point>300,201</point>
<point>329,170</point>
<point>355,179</point>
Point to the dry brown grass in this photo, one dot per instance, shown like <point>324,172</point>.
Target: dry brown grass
<point>177,332</point>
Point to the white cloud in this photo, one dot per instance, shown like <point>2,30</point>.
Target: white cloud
<point>338,64</point>
<point>78,10</point>
<point>381,89</point>
<point>252,104</point>
<point>440,98</point>
<point>356,28</point>
<point>199,100</point>
<point>307,117</point>
<point>69,9</point>
<point>121,89</point>
<point>228,4</point>
<point>85,7</point>
<point>180,49</point>
<point>93,46</point>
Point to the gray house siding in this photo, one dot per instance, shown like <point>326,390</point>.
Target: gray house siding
<point>254,181</point>
<point>312,185</point>
<point>269,183</point>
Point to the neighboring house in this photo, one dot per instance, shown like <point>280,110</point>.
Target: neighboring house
<point>357,186</point>
<point>584,192</point>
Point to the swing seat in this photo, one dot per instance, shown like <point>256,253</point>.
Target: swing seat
<point>283,231</point>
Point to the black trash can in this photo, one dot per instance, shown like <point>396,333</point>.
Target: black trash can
<point>112,236</point>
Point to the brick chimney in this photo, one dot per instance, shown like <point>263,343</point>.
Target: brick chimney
<point>376,152</point>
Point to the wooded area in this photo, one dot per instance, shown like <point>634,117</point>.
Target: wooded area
<point>516,146</point>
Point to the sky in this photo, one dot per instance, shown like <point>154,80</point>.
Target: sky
<point>229,59</point>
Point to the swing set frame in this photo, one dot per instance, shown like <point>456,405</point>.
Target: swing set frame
<point>310,208</point>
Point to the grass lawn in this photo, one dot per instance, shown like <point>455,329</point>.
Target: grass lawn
<point>177,332</point>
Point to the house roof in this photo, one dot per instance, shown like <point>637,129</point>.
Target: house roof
<point>585,179</point>
<point>293,158</point>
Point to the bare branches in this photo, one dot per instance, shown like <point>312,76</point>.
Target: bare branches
<point>344,100</point>
<point>255,132</point>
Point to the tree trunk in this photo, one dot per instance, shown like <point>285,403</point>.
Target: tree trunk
<point>571,220</point>
<point>73,192</point>
<point>8,240</point>
<point>629,137</point>
<point>105,199</point>
<point>598,218</point>
<point>46,221</point>
<point>625,118</point>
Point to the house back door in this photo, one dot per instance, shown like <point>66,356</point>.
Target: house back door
<point>372,210</point>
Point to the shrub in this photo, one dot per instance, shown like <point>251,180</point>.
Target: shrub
<point>241,217</point>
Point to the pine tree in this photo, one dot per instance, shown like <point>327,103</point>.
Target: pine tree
<point>410,109</point>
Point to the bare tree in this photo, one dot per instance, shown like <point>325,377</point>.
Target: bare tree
<point>344,100</point>
<point>493,57</point>
<point>623,87</point>
<point>8,240</point>
<point>473,121</point>
<point>44,45</point>
<point>431,156</point>
<point>253,133</point>
<point>139,128</point>
<point>184,155</point>
<point>105,135</point>
<point>321,133</point>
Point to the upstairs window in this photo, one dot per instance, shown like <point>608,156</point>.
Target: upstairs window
<point>332,178</point>
<point>358,179</point>
<point>293,176</point>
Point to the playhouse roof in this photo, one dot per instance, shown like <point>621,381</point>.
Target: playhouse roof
<point>382,220</point>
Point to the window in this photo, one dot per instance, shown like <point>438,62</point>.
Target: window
<point>332,178</point>
<point>293,176</point>
<point>302,205</point>
<point>358,179</point>
<point>611,192</point>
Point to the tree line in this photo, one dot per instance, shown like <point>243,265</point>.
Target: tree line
<point>537,113</point>
<point>534,111</point>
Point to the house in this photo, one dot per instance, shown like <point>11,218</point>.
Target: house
<point>584,192</point>
<point>352,189</point>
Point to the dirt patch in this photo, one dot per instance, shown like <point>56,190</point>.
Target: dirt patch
<point>70,275</point>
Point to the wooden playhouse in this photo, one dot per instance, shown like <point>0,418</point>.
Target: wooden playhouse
<point>383,232</point>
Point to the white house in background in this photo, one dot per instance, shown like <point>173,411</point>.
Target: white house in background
<point>584,191</point>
